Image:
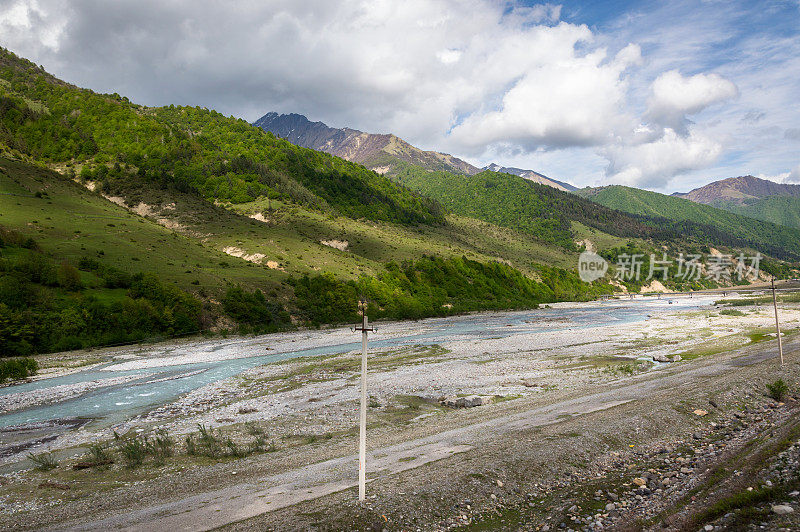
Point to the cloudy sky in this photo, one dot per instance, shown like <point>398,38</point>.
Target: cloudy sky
<point>662,95</point>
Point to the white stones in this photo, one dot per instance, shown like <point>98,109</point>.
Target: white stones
<point>782,509</point>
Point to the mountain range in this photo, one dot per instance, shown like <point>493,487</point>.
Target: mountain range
<point>120,222</point>
<point>383,153</point>
<point>752,197</point>
<point>739,190</point>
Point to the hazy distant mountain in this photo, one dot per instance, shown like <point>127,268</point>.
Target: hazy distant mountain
<point>753,197</point>
<point>530,175</point>
<point>384,153</point>
<point>739,190</point>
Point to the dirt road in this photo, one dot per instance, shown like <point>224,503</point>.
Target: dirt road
<point>442,454</point>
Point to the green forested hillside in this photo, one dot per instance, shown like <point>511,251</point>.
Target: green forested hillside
<point>518,203</point>
<point>781,210</point>
<point>188,148</point>
<point>763,236</point>
<point>124,222</point>
<point>543,211</point>
<point>72,270</point>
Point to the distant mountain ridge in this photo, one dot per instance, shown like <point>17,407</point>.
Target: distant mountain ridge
<point>752,197</point>
<point>530,175</point>
<point>384,153</point>
<point>739,190</point>
<point>380,152</point>
<point>761,234</point>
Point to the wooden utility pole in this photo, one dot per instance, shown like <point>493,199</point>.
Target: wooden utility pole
<point>362,442</point>
<point>777,325</point>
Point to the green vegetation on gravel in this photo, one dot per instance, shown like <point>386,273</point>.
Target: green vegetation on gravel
<point>15,369</point>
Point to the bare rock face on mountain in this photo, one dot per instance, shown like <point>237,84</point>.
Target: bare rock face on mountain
<point>739,190</point>
<point>383,153</point>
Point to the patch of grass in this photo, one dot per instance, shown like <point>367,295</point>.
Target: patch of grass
<point>98,452</point>
<point>209,444</point>
<point>161,446</point>
<point>43,461</point>
<point>133,449</point>
<point>731,312</point>
<point>252,428</point>
<point>736,501</point>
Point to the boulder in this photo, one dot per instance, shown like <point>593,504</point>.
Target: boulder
<point>782,509</point>
<point>469,401</point>
<point>660,358</point>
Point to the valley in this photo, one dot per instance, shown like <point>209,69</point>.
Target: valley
<point>178,287</point>
<point>302,393</point>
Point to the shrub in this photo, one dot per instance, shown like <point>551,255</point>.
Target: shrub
<point>68,277</point>
<point>133,449</point>
<point>161,446</point>
<point>43,461</point>
<point>98,452</point>
<point>778,390</point>
<point>253,311</point>
<point>17,368</point>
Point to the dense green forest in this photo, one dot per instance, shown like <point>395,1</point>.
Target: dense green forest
<point>433,286</point>
<point>48,305</point>
<point>722,226</point>
<point>781,210</point>
<point>515,202</point>
<point>188,148</point>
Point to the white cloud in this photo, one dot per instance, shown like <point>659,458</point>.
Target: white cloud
<point>653,163</point>
<point>575,101</point>
<point>25,19</point>
<point>793,176</point>
<point>675,96</point>
<point>487,80</point>
<point>449,56</point>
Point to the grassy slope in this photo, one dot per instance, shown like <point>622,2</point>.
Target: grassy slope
<point>73,222</point>
<point>779,210</point>
<point>644,202</point>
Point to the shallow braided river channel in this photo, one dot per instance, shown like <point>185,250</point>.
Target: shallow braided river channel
<point>134,380</point>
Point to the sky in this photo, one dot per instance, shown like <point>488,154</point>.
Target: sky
<point>665,95</point>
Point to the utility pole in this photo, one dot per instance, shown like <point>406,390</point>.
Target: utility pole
<point>777,325</point>
<point>362,445</point>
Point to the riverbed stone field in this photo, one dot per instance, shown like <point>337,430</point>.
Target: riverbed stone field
<point>616,415</point>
